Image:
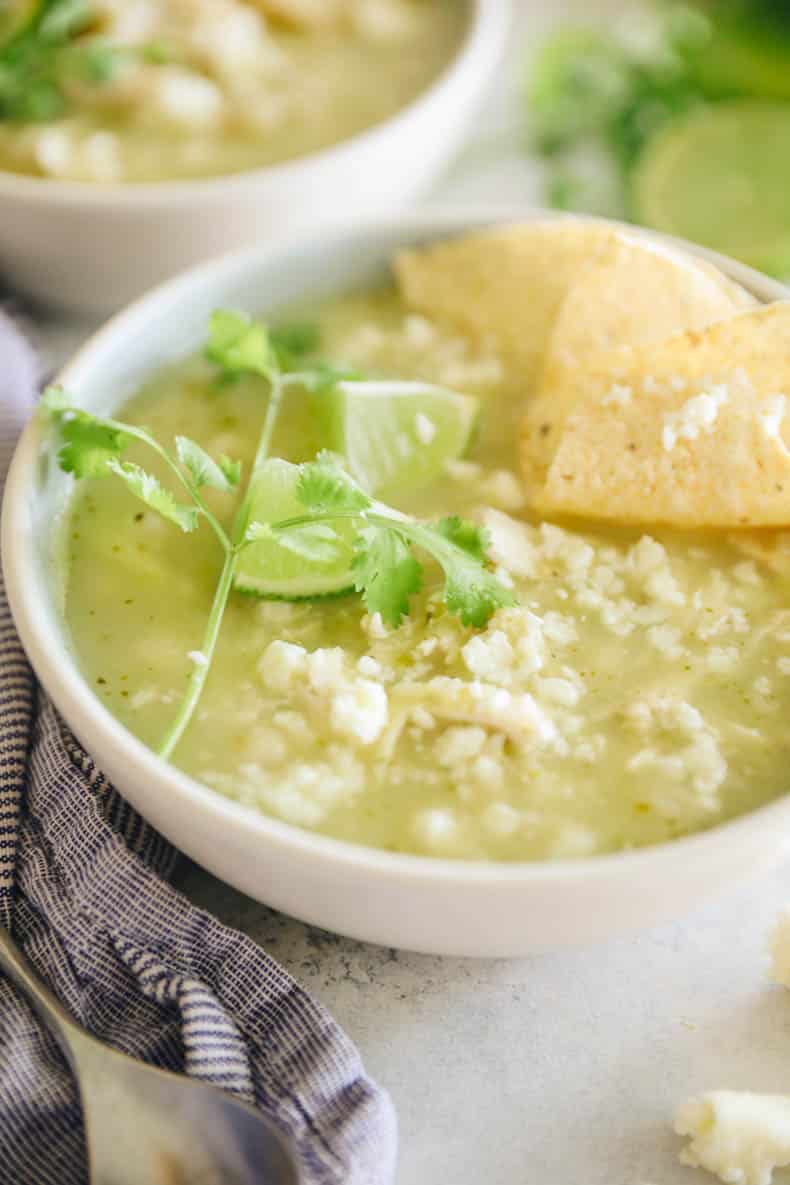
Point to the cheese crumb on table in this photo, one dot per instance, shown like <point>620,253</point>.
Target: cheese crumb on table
<point>739,1136</point>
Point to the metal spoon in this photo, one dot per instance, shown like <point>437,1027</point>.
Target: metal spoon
<point>145,1126</point>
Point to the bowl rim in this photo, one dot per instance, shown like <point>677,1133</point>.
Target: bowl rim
<point>486,25</point>
<point>101,732</point>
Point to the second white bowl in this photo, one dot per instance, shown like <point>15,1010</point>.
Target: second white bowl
<point>92,249</point>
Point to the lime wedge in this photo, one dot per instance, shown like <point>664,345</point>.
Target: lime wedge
<point>397,436</point>
<point>720,177</point>
<point>314,564</point>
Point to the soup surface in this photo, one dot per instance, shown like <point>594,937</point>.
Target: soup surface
<point>197,88</point>
<point>637,692</point>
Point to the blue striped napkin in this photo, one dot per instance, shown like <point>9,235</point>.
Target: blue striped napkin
<point>83,889</point>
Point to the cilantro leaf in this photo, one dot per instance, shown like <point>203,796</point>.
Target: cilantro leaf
<point>470,538</point>
<point>239,345</point>
<point>293,341</point>
<point>325,485</point>
<point>203,469</point>
<point>89,445</point>
<point>470,590</point>
<point>474,594</point>
<point>149,489</point>
<point>386,573</point>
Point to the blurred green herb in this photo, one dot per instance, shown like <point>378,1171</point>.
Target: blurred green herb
<point>53,47</point>
<point>596,98</point>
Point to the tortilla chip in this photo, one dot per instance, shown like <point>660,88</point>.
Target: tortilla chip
<point>689,432</point>
<point>639,292</point>
<point>511,283</point>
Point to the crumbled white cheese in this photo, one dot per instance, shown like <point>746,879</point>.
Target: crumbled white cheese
<point>698,414</point>
<point>187,98</point>
<point>739,1136</point>
<point>559,691</point>
<point>783,665</point>
<point>503,490</point>
<point>360,711</point>
<point>459,744</point>
<point>197,658</point>
<point>369,666</point>
<point>54,149</point>
<point>559,628</point>
<point>511,543</point>
<point>722,659</point>
<point>324,668</point>
<point>666,639</point>
<point>573,841</point>
<point>500,819</point>
<point>478,703</point>
<point>488,655</point>
<point>281,664</point>
<point>435,827</point>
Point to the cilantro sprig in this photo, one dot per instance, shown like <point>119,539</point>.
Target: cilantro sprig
<point>386,568</point>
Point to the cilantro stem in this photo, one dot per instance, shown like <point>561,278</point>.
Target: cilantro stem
<point>141,435</point>
<point>240,524</point>
<point>200,671</point>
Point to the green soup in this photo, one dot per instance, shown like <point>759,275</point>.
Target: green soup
<point>205,89</point>
<point>637,692</point>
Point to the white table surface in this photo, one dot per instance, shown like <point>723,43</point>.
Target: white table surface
<point>562,1069</point>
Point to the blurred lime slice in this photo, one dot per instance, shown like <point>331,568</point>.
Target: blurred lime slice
<point>316,560</point>
<point>397,436</point>
<point>721,177</point>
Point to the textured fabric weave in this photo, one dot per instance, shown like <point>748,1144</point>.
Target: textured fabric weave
<point>83,890</point>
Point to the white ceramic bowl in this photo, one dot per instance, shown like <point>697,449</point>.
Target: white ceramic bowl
<point>91,248</point>
<point>437,906</point>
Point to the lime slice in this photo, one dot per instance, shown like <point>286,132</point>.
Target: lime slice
<point>397,436</point>
<point>720,177</point>
<point>312,565</point>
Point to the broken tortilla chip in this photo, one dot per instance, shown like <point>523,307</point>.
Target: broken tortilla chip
<point>637,293</point>
<point>512,283</point>
<point>690,432</point>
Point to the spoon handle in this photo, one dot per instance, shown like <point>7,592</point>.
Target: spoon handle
<point>49,1009</point>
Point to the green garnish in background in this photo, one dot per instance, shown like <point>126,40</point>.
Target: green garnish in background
<point>709,82</point>
<point>384,568</point>
<point>45,45</point>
